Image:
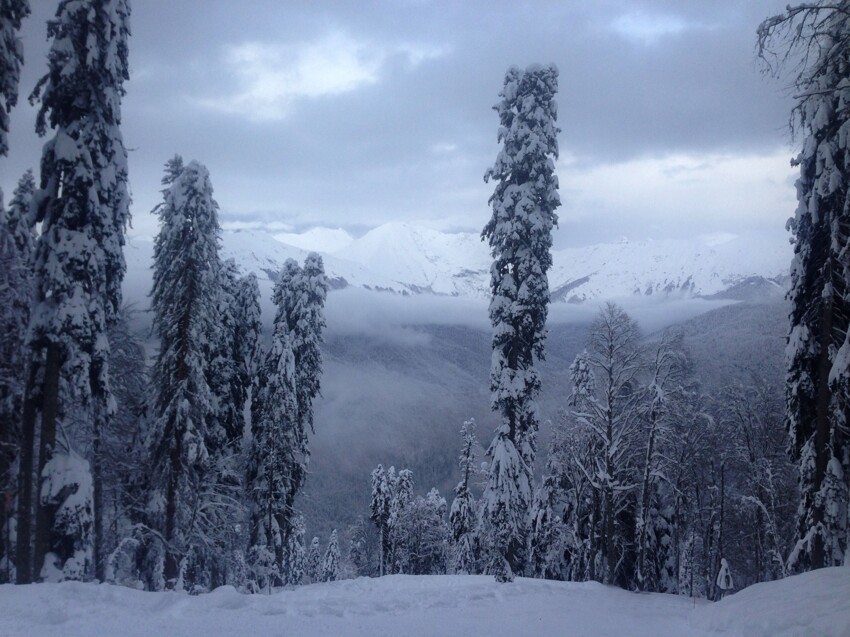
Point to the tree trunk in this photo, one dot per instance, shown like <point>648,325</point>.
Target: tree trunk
<point>644,505</point>
<point>822,425</point>
<point>170,571</point>
<point>23,556</point>
<point>97,479</point>
<point>46,512</point>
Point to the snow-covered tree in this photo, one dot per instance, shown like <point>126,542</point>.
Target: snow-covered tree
<point>421,536</point>
<point>379,512</point>
<point>520,237</point>
<point>401,494</point>
<point>12,13</point>
<point>82,206</point>
<point>17,243</point>
<point>225,421</point>
<point>330,563</point>
<point>125,454</point>
<point>247,350</point>
<point>314,561</point>
<point>762,525</point>
<point>463,516</point>
<point>548,532</point>
<point>606,405</point>
<point>184,303</point>
<point>295,558</point>
<point>663,389</point>
<point>564,534</point>
<point>68,487</point>
<point>364,548</point>
<point>272,465</point>
<point>818,352</point>
<point>307,323</point>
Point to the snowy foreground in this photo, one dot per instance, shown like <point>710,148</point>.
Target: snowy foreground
<point>810,605</point>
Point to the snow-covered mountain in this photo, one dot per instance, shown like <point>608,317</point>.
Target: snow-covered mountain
<point>407,259</point>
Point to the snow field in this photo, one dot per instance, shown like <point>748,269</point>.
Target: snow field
<point>811,605</point>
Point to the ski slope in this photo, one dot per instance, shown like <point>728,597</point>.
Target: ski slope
<point>810,605</point>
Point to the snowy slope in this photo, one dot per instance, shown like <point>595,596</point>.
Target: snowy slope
<point>406,259</point>
<point>673,268</point>
<point>326,240</point>
<point>427,260</point>
<point>810,605</point>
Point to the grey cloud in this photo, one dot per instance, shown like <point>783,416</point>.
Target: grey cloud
<point>365,156</point>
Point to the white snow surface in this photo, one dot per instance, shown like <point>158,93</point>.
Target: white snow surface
<point>406,259</point>
<point>809,605</point>
<point>325,240</point>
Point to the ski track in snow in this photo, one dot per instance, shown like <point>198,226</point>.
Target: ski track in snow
<point>809,605</point>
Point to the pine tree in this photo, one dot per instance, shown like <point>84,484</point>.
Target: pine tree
<point>184,303</point>
<point>307,323</point>
<point>330,564</point>
<point>17,243</point>
<point>12,13</point>
<point>225,419</point>
<point>818,372</point>
<point>463,518</point>
<point>314,561</point>
<point>247,350</point>
<point>520,238</point>
<point>401,494</point>
<point>379,512</point>
<point>295,559</point>
<point>271,469</point>
<point>302,292</point>
<point>83,206</point>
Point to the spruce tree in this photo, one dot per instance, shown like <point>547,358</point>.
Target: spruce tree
<point>295,558</point>
<point>12,13</point>
<point>82,206</point>
<point>379,513</point>
<point>17,242</point>
<point>302,292</point>
<point>463,517</point>
<point>184,303</point>
<point>314,561</point>
<point>330,564</point>
<point>520,237</point>
<point>818,367</point>
<point>271,469</point>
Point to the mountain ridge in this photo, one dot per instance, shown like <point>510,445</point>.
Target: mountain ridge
<point>405,259</point>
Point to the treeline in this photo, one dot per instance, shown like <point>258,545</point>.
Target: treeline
<point>649,484</point>
<point>203,452</point>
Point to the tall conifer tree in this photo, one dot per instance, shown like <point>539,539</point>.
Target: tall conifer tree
<point>520,237</point>
<point>83,207</point>
<point>818,352</point>
<point>12,13</point>
<point>184,302</point>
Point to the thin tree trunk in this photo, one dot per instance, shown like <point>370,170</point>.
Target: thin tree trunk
<point>23,556</point>
<point>644,505</point>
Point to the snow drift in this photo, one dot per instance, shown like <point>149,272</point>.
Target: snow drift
<point>809,605</point>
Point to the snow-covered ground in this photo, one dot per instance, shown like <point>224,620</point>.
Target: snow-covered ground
<point>810,605</point>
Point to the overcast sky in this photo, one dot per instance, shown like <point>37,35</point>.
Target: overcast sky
<point>353,114</point>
